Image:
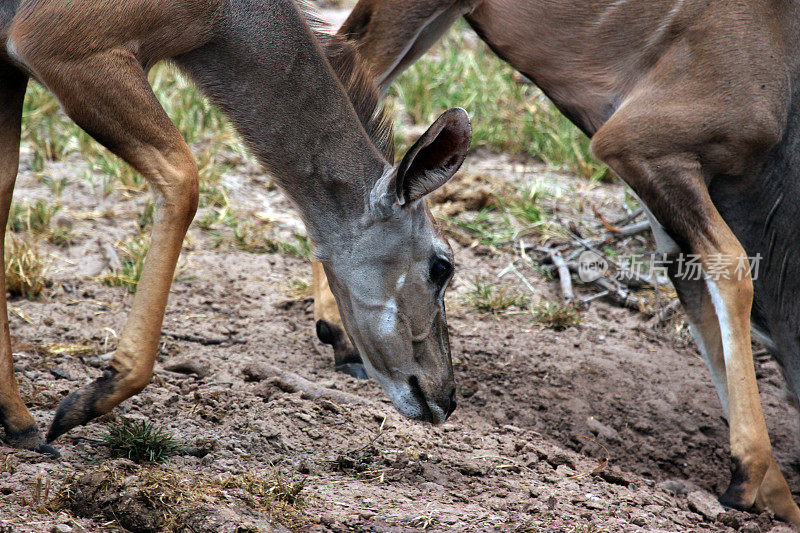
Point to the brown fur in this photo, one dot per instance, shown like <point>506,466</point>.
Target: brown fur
<point>326,139</point>
<point>678,96</point>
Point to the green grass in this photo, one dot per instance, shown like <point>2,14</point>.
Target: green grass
<point>140,441</point>
<point>557,316</point>
<point>488,297</point>
<point>256,237</point>
<point>32,216</point>
<point>506,116</point>
<point>132,255</point>
<point>513,216</point>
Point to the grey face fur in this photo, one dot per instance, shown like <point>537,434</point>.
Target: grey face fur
<point>389,281</point>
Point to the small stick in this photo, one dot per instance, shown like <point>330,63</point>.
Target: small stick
<point>601,465</point>
<point>512,268</point>
<point>205,341</point>
<point>633,229</point>
<point>564,277</point>
<point>627,219</point>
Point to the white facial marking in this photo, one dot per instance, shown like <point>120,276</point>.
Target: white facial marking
<point>400,282</point>
<point>388,320</point>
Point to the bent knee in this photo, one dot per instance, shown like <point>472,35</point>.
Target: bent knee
<point>136,381</point>
<point>176,181</point>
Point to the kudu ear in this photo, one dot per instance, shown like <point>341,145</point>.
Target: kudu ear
<point>435,157</point>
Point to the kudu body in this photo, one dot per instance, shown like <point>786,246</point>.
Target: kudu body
<point>317,129</point>
<point>696,105</point>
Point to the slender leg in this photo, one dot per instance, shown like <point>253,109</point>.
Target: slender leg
<point>393,34</point>
<point>20,428</point>
<point>774,491</point>
<point>672,185</point>
<point>330,329</point>
<point>108,95</point>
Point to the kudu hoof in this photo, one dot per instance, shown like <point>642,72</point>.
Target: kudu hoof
<point>735,496</point>
<point>346,358</point>
<point>30,439</point>
<point>82,405</point>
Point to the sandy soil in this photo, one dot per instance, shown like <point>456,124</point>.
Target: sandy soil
<point>539,412</point>
<point>607,426</point>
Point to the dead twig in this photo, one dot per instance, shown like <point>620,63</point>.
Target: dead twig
<point>601,465</point>
<point>665,314</point>
<point>633,229</point>
<point>627,219</point>
<point>564,277</point>
<point>205,341</point>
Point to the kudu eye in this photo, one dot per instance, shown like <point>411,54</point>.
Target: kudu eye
<point>441,270</point>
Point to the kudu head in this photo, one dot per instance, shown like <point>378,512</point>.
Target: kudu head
<point>390,280</point>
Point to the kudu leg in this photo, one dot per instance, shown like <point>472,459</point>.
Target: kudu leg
<point>671,183</point>
<point>774,492</point>
<point>330,329</point>
<point>108,95</point>
<point>20,428</point>
<point>393,34</point>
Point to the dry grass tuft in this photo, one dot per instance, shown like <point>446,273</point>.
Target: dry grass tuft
<point>25,268</point>
<point>490,298</point>
<point>298,289</point>
<point>165,500</point>
<point>557,316</point>
<point>132,258</point>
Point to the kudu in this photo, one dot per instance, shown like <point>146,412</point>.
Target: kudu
<point>696,105</point>
<point>329,151</point>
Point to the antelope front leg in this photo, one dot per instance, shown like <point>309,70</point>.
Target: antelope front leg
<point>330,329</point>
<point>20,428</point>
<point>122,112</point>
<point>671,182</point>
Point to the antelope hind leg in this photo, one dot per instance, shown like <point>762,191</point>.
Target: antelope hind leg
<point>662,169</point>
<point>330,329</point>
<point>774,492</point>
<point>122,112</point>
<point>20,428</point>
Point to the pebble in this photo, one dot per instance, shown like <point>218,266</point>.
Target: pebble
<point>62,528</point>
<point>187,366</point>
<point>705,503</point>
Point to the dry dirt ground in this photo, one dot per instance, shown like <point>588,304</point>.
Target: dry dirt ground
<point>607,426</point>
<point>540,411</point>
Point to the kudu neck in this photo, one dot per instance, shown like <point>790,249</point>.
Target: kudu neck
<point>281,95</point>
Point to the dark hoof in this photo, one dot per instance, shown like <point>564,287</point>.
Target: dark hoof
<point>81,406</point>
<point>30,439</point>
<point>356,370</point>
<point>346,359</point>
<point>46,449</point>
<point>735,496</point>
